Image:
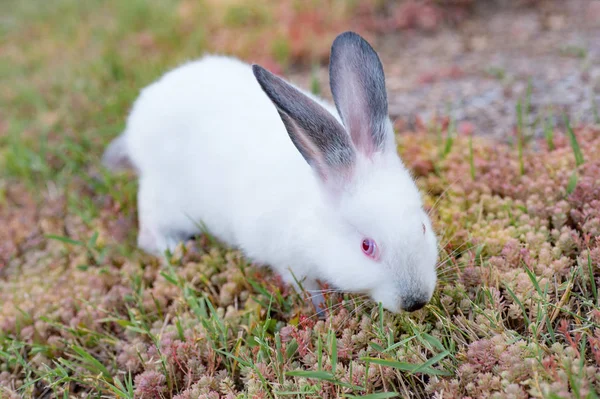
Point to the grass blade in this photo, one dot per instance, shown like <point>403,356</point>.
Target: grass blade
<point>91,363</point>
<point>549,133</point>
<point>572,184</point>
<point>518,302</point>
<point>432,361</point>
<point>471,158</point>
<point>380,395</point>
<point>315,84</point>
<point>592,279</point>
<point>317,375</point>
<point>574,144</point>
<point>65,240</point>
<point>520,137</point>
<point>407,367</point>
<point>334,354</point>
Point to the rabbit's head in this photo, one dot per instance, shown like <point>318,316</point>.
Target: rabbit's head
<point>383,242</point>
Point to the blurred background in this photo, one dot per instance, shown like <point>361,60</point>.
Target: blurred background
<point>70,69</point>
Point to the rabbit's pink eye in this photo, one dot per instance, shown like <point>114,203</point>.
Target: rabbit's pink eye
<point>369,248</point>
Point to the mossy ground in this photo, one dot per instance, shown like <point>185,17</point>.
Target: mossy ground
<point>85,314</point>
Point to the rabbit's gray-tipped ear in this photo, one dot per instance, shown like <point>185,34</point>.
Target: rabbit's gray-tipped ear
<point>358,86</point>
<point>317,135</point>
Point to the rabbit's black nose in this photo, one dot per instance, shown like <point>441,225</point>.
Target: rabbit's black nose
<point>413,304</point>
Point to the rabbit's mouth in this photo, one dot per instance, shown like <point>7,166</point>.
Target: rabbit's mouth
<point>414,303</point>
<point>409,300</point>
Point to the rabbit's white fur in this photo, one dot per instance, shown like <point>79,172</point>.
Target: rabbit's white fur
<point>211,149</point>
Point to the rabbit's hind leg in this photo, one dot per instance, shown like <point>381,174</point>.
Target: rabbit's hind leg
<point>152,241</point>
<point>154,236</point>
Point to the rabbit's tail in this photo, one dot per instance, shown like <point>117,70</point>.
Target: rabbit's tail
<point>115,157</point>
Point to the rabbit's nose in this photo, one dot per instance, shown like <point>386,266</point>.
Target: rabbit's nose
<point>412,304</point>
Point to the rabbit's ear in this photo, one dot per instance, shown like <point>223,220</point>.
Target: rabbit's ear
<point>358,86</point>
<point>317,135</point>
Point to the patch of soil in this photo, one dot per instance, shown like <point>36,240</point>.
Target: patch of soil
<point>478,71</point>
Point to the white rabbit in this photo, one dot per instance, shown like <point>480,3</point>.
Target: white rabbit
<point>278,173</point>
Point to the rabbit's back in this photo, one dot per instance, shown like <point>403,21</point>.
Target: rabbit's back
<point>203,108</point>
<point>210,147</point>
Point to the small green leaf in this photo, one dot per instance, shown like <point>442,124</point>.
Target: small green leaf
<point>375,346</point>
<point>319,353</point>
<point>448,145</point>
<point>317,375</point>
<point>93,240</point>
<point>66,240</point>
<point>518,302</point>
<point>180,332</point>
<point>574,144</point>
<point>408,367</point>
<point>291,349</point>
<point>394,346</point>
<point>572,184</point>
<point>334,354</point>
<point>471,158</point>
<point>520,134</point>
<point>315,85</point>
<point>432,361</point>
<point>169,278</point>
<point>433,341</point>
<point>91,363</point>
<point>137,330</point>
<point>381,395</point>
<point>592,278</point>
<point>549,133</point>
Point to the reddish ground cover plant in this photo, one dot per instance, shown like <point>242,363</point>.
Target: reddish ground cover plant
<point>84,314</point>
<point>516,313</point>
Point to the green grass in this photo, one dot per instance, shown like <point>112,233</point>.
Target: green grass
<point>83,313</point>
